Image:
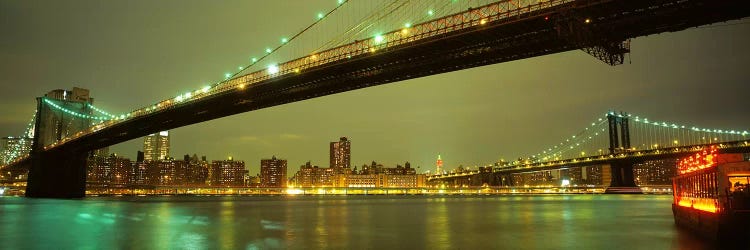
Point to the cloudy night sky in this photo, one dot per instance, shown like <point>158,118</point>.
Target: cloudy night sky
<point>133,53</point>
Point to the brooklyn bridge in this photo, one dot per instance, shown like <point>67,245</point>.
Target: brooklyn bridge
<point>447,38</point>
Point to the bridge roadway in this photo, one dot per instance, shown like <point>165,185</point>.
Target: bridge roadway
<point>456,42</point>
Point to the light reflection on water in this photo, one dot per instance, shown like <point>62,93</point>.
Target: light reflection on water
<point>349,222</point>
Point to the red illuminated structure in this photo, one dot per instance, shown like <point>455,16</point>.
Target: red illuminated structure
<point>439,166</point>
<point>712,194</point>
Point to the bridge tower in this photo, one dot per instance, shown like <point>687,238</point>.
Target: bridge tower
<point>619,141</point>
<point>619,133</point>
<point>57,172</point>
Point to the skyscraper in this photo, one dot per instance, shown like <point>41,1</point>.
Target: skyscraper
<point>156,146</point>
<point>439,166</point>
<point>273,172</point>
<point>341,156</point>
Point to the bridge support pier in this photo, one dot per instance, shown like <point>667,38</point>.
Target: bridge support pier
<point>57,175</point>
<point>622,179</point>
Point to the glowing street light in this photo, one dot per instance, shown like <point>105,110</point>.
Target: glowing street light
<point>379,38</point>
<point>273,69</point>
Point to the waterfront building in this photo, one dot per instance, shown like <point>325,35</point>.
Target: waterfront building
<point>187,172</point>
<point>156,146</point>
<point>380,180</point>
<point>253,180</point>
<point>657,172</point>
<point>227,173</point>
<point>167,172</point>
<point>196,171</point>
<point>108,170</point>
<point>340,154</point>
<point>273,173</point>
<point>139,173</point>
<point>576,176</point>
<point>595,175</point>
<point>157,172</point>
<point>377,168</point>
<point>374,175</point>
<point>313,176</point>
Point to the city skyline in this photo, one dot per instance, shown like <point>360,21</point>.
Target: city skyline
<point>509,110</point>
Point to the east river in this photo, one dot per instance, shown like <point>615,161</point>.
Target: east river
<point>592,221</point>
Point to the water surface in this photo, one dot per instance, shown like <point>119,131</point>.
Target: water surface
<point>344,222</point>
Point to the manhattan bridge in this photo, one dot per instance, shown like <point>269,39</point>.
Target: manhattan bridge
<point>359,44</point>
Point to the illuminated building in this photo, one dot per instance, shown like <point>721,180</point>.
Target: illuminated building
<point>377,168</point>
<point>273,173</point>
<point>576,176</point>
<point>228,173</point>
<point>439,166</point>
<point>361,180</point>
<point>594,175</point>
<point>139,173</point>
<point>375,175</point>
<point>341,156</point>
<point>13,147</point>
<point>159,172</point>
<point>253,181</point>
<point>98,170</point>
<point>373,168</point>
<point>167,172</point>
<point>380,180</point>
<point>156,146</point>
<point>109,170</point>
<point>313,176</point>
<point>657,172</point>
<point>193,171</point>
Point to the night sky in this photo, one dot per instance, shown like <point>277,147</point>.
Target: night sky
<point>134,53</point>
